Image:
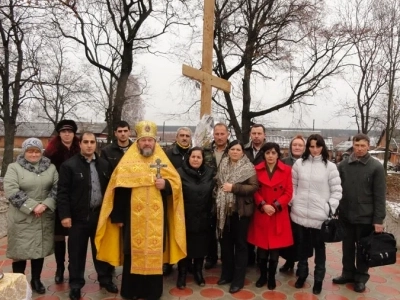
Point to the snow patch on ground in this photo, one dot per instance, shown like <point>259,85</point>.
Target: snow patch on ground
<point>392,220</point>
<point>393,208</point>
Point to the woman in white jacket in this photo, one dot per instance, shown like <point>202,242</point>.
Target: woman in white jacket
<point>316,186</point>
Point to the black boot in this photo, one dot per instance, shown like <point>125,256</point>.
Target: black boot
<point>300,282</point>
<point>36,269</point>
<point>287,266</point>
<point>263,273</point>
<point>19,266</point>
<point>59,253</point>
<point>182,271</point>
<point>317,287</point>
<point>198,271</point>
<point>273,264</point>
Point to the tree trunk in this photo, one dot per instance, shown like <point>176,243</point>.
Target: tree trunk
<point>126,68</point>
<point>9,135</point>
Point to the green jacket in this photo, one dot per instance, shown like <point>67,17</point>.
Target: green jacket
<point>30,237</point>
<point>209,157</point>
<point>364,190</point>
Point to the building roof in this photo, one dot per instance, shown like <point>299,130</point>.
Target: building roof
<point>344,146</point>
<point>45,129</point>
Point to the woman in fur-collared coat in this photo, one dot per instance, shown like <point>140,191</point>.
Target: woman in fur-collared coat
<point>30,185</point>
<point>60,148</point>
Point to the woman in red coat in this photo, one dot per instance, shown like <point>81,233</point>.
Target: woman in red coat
<point>270,228</point>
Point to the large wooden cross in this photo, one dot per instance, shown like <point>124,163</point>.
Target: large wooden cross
<point>204,75</point>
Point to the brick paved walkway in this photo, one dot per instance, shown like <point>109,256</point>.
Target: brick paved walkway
<point>383,285</point>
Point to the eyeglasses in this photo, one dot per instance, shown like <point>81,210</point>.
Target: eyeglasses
<point>32,151</point>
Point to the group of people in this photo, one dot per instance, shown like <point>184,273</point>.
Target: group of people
<point>147,209</point>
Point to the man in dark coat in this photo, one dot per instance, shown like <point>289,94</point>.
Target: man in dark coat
<point>114,152</point>
<point>362,208</point>
<point>82,182</point>
<point>60,148</point>
<point>177,155</point>
<point>252,151</point>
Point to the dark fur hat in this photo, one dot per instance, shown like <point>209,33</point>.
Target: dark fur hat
<point>67,125</point>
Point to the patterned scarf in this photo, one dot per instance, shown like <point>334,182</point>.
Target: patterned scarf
<point>239,172</point>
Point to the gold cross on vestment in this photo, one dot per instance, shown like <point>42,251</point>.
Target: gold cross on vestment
<point>205,74</point>
<point>158,165</point>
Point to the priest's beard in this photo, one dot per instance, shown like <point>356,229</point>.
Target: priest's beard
<point>146,152</point>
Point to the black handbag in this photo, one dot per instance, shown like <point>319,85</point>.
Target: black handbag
<point>332,229</point>
<point>377,249</point>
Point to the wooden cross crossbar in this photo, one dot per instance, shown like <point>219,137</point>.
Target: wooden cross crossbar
<point>204,76</point>
<point>158,165</point>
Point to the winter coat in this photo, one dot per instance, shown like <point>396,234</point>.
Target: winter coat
<point>197,189</point>
<point>244,192</point>
<point>30,237</point>
<point>177,155</point>
<point>364,190</point>
<point>74,186</point>
<point>248,150</point>
<point>113,153</point>
<point>58,152</point>
<point>209,157</point>
<point>272,232</point>
<point>315,184</point>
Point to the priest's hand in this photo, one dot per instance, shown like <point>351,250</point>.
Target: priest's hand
<point>67,223</point>
<point>160,183</point>
<point>119,224</point>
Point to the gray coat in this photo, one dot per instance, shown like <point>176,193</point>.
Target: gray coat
<point>30,237</point>
<point>364,190</point>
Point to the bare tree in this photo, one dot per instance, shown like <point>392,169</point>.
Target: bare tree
<point>61,88</point>
<point>368,76</point>
<point>17,66</point>
<point>133,110</point>
<point>259,41</point>
<point>134,23</point>
<point>387,13</point>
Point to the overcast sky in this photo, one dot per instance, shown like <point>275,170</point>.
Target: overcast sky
<point>164,97</point>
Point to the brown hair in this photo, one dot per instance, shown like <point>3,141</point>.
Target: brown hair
<point>361,136</point>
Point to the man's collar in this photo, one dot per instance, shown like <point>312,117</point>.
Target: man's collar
<point>363,160</point>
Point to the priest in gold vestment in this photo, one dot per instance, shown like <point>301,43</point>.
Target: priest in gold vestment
<point>142,223</point>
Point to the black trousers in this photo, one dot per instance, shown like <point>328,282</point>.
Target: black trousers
<point>234,249</point>
<point>36,267</point>
<point>359,270</point>
<point>79,235</point>
<point>213,242</point>
<point>306,238</point>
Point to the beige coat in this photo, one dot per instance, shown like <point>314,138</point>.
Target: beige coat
<point>30,237</point>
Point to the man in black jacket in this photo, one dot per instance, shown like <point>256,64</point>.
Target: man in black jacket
<point>362,208</point>
<point>82,182</point>
<point>114,152</point>
<point>177,154</point>
<point>252,151</point>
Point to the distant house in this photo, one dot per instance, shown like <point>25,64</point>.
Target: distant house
<point>394,155</point>
<point>45,131</point>
<point>166,134</point>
